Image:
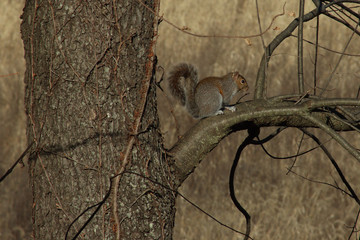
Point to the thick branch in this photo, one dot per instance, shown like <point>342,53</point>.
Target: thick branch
<point>207,133</point>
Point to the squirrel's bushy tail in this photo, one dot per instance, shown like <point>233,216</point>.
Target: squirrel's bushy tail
<point>182,83</point>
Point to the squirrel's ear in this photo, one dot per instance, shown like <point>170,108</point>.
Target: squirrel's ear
<point>235,75</point>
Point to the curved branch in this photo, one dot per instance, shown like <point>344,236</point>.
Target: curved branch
<point>320,5</point>
<point>253,132</point>
<point>17,161</point>
<point>207,133</point>
<point>334,163</point>
<point>342,141</point>
<point>348,25</point>
<point>260,91</point>
<point>337,63</point>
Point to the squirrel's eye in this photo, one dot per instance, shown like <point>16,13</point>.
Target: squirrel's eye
<point>242,81</point>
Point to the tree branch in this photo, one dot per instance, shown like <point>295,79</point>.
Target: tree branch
<point>260,88</point>
<point>334,163</point>
<point>300,48</point>
<point>338,62</point>
<point>253,132</point>
<point>260,91</point>
<point>207,133</point>
<point>353,151</point>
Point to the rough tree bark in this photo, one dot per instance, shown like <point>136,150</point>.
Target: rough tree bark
<point>90,102</point>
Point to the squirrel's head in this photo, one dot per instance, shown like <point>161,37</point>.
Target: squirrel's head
<point>240,81</point>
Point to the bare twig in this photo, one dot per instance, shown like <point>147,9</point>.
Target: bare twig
<point>187,200</point>
<point>349,10</point>
<point>334,163</point>
<point>262,38</point>
<point>354,226</point>
<point>187,31</point>
<point>260,91</point>
<point>319,182</point>
<point>98,205</point>
<point>300,48</point>
<point>316,51</point>
<point>328,49</point>
<point>259,24</point>
<point>17,161</point>
<point>339,18</point>
<point>297,153</point>
<point>345,144</point>
<point>338,63</point>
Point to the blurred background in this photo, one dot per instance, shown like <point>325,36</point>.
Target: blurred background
<point>15,191</point>
<point>282,206</point>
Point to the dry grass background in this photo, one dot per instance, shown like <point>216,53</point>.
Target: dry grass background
<point>15,195</point>
<point>282,206</point>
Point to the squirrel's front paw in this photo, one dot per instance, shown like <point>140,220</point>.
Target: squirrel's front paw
<point>231,108</point>
<point>219,112</point>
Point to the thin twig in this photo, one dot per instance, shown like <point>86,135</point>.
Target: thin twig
<point>187,200</point>
<point>338,63</point>
<point>320,182</point>
<point>269,137</point>
<point>297,153</point>
<point>259,24</point>
<point>262,38</point>
<point>328,49</point>
<point>300,48</point>
<point>99,204</point>
<point>316,51</point>
<point>187,31</point>
<point>260,91</point>
<point>16,162</point>
<point>334,163</point>
<point>354,226</point>
<point>355,14</point>
<point>345,23</point>
<point>345,144</point>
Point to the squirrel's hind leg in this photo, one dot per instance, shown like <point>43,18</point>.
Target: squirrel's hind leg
<point>209,104</point>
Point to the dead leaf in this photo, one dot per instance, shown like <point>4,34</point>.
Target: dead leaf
<point>291,14</point>
<point>248,41</point>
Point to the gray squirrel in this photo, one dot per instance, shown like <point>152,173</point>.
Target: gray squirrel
<point>206,97</point>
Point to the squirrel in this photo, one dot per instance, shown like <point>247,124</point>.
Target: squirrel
<point>206,97</point>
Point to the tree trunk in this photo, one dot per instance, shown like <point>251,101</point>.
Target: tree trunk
<point>90,102</point>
